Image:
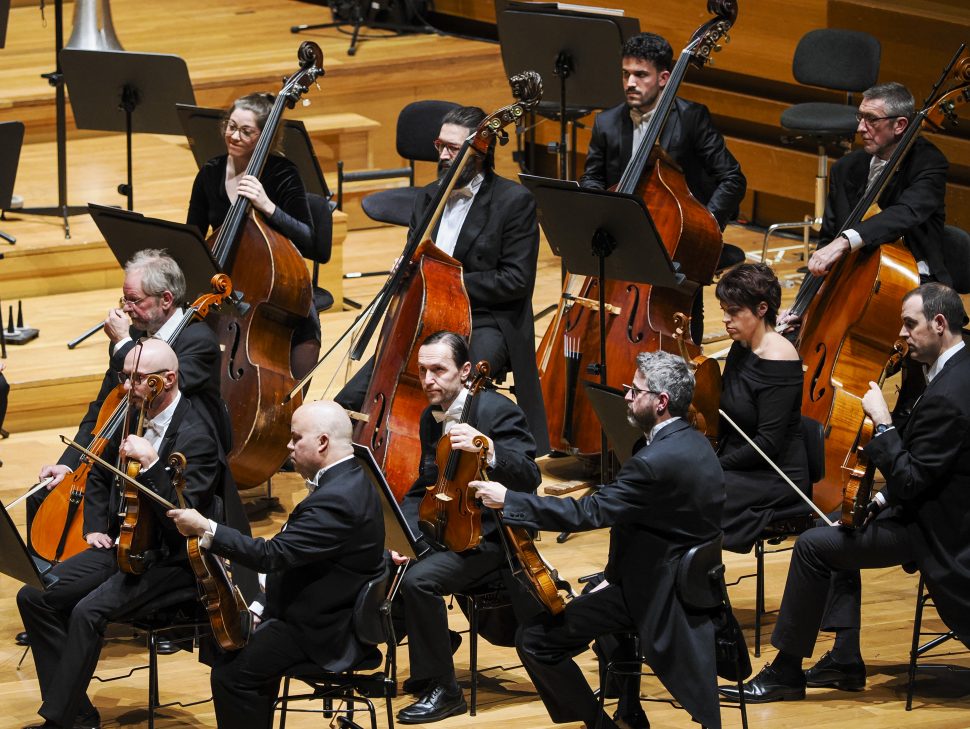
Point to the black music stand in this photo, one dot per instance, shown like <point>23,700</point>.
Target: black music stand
<point>610,407</point>
<point>11,141</point>
<point>397,533</point>
<point>119,91</point>
<point>202,127</point>
<point>4,16</point>
<point>582,48</point>
<point>16,561</point>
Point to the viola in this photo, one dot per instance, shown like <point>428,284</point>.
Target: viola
<point>56,533</point>
<point>449,513</point>
<point>639,318</point>
<point>533,571</point>
<point>229,616</point>
<point>850,317</point>
<point>425,294</point>
<point>706,403</point>
<point>255,339</point>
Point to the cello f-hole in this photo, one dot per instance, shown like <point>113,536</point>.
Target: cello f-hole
<point>817,390</point>
<point>633,307</point>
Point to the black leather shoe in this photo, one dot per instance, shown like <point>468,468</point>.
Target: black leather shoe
<point>165,647</point>
<point>636,720</point>
<point>22,638</point>
<point>92,721</point>
<point>766,687</point>
<point>829,673</point>
<point>418,686</point>
<point>437,704</point>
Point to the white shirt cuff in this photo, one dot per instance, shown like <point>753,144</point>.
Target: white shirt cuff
<point>256,608</point>
<point>205,541</point>
<point>880,498</point>
<point>855,240</point>
<point>114,347</point>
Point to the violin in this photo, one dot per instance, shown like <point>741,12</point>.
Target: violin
<point>56,532</point>
<point>639,317</point>
<point>450,514</point>
<point>255,339</point>
<point>857,472</point>
<point>850,316</point>
<point>229,616</point>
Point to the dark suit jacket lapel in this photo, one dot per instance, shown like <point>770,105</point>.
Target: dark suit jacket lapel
<point>669,430</point>
<point>950,365</point>
<point>476,218</point>
<point>168,442</point>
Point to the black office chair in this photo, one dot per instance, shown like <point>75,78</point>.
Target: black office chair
<point>840,60</point>
<point>372,626</point>
<point>700,588</point>
<point>956,257</point>
<point>418,125</point>
<point>321,216</point>
<point>923,600</point>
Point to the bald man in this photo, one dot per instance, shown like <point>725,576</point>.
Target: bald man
<point>67,621</point>
<point>330,547</point>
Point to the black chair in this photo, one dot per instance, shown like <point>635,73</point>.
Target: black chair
<point>790,524</point>
<point>956,257</point>
<point>418,125</point>
<point>372,626</point>
<point>321,217</point>
<point>923,600</point>
<point>701,589</point>
<point>840,60</point>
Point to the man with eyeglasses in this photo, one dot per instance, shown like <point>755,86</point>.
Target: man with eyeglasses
<point>66,622</point>
<point>489,225</point>
<point>666,499</point>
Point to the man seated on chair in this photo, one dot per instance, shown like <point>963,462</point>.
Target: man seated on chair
<point>330,547</point>
<point>665,500</point>
<point>420,611</point>
<point>67,621</point>
<point>919,517</point>
<point>489,225</point>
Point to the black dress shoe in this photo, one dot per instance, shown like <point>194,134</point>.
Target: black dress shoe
<point>829,673</point>
<point>436,704</point>
<point>636,720</point>
<point>766,687</point>
<point>418,686</point>
<point>92,721</point>
<point>22,638</point>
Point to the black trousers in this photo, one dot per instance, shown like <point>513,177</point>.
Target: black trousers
<point>420,611</point>
<point>824,589</point>
<point>246,683</point>
<point>66,623</point>
<point>547,649</point>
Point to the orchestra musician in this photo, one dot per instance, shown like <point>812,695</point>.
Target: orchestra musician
<point>665,500</point>
<point>918,518</point>
<point>278,194</point>
<point>66,622</point>
<point>762,393</point>
<point>420,612</point>
<point>489,225</point>
<point>330,547</point>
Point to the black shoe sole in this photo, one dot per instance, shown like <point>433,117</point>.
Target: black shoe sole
<point>455,711</point>
<point>735,699</point>
<point>841,684</point>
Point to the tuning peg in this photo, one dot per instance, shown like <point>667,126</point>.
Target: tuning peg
<point>727,38</point>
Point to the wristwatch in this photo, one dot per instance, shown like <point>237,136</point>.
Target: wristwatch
<point>882,428</point>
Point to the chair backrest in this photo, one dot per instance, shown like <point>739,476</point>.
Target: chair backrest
<point>369,620</point>
<point>700,576</point>
<point>813,433</point>
<point>418,125</point>
<point>321,218</point>
<point>956,257</point>
<point>847,60</point>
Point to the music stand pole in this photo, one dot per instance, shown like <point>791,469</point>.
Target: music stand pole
<point>129,100</point>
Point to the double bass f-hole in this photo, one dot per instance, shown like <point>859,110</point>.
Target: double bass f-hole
<point>818,390</point>
<point>633,307</point>
<point>235,372</point>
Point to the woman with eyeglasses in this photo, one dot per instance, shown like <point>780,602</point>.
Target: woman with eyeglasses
<point>762,393</point>
<point>278,194</point>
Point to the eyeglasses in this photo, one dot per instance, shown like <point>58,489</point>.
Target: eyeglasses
<point>441,144</point>
<point>245,133</point>
<point>869,120</point>
<point>123,302</point>
<point>637,391</point>
<point>136,379</point>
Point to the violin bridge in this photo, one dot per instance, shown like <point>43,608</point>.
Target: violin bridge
<point>443,497</point>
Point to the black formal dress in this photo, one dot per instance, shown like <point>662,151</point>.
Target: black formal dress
<point>764,397</point>
<point>712,173</point>
<point>210,204</point>
<point>926,522</point>
<point>420,610</point>
<point>665,500</point>
<point>331,546</point>
<point>66,623</point>
<point>912,204</point>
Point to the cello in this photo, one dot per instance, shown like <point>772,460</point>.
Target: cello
<point>425,294</point>
<point>850,316</point>
<point>639,317</point>
<point>56,530</point>
<point>255,339</point>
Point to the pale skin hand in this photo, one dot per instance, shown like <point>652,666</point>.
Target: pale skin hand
<point>139,449</point>
<point>824,258</point>
<point>874,405</point>
<point>251,188</point>
<point>462,438</point>
<point>97,539</point>
<point>56,470</point>
<point>116,325</point>
<point>491,493</point>
<point>189,522</point>
<point>398,558</point>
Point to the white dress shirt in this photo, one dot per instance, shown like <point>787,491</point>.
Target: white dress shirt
<point>456,210</point>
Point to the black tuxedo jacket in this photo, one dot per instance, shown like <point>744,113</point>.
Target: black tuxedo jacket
<point>515,452</point>
<point>711,171</point>
<point>927,470</point>
<point>498,248</point>
<point>665,500</point>
<point>912,204</point>
<point>330,547</point>
<point>190,433</point>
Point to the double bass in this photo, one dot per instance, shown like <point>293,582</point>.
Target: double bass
<point>255,339</point>
<point>850,318</point>
<point>639,317</point>
<point>56,532</point>
<point>425,294</point>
